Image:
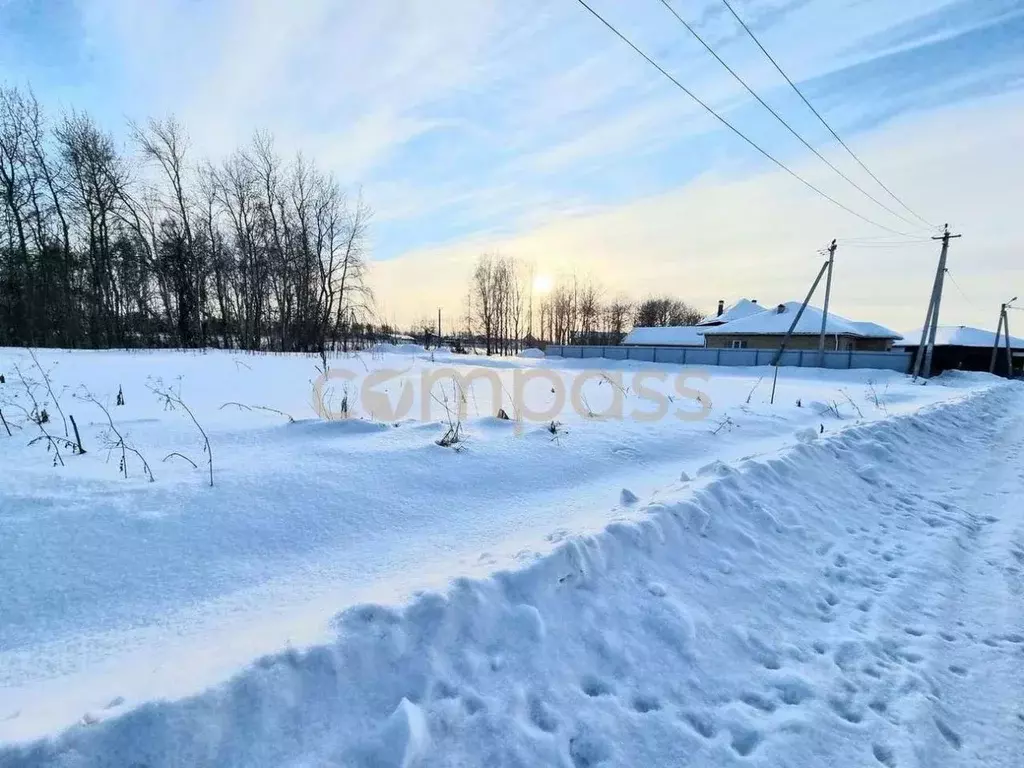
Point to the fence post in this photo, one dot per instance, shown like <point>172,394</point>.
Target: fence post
<point>800,360</point>
<point>654,354</point>
<point>684,357</point>
<point>849,359</point>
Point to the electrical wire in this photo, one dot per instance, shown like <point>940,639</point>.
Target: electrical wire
<point>884,246</point>
<point>733,128</point>
<point>822,119</point>
<point>961,290</point>
<point>915,235</point>
<point>782,120</point>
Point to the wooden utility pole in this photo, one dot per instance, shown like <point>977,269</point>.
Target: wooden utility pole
<point>438,325</point>
<point>824,312</point>
<point>931,323</point>
<point>1004,326</point>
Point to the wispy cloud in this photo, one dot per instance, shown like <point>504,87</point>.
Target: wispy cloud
<point>474,121</point>
<point>758,237</point>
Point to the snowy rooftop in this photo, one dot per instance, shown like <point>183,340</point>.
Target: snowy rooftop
<point>773,321</point>
<point>960,336</point>
<point>742,308</point>
<point>671,336</point>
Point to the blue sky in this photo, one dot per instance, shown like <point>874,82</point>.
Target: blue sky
<point>481,124</point>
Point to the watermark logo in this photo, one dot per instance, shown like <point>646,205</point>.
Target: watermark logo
<point>527,395</point>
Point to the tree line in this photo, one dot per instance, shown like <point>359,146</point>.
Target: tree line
<point>104,247</point>
<point>506,313</point>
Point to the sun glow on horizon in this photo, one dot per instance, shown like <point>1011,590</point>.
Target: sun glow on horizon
<point>543,283</point>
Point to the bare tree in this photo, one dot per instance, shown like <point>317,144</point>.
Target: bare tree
<point>95,251</point>
<point>666,311</point>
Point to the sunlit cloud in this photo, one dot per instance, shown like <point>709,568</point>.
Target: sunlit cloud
<point>527,128</point>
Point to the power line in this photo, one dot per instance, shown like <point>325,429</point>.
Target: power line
<point>778,117</point>
<point>961,290</point>
<point>916,235</point>
<point>885,246</point>
<point>731,127</point>
<point>822,119</point>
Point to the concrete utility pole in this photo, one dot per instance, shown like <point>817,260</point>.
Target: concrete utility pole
<point>792,326</point>
<point>1004,325</point>
<point>824,313</point>
<point>931,323</point>
<point>1006,330</point>
<point>438,325</point>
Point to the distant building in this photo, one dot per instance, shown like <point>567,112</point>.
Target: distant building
<point>689,335</point>
<point>962,348</point>
<point>595,338</point>
<point>748,325</point>
<point>766,328</point>
<point>666,336</point>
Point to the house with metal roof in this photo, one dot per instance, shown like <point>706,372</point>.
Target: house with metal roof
<point>689,335</point>
<point>767,328</point>
<point>962,348</point>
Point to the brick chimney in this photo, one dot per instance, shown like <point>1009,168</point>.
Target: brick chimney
<point>721,307</point>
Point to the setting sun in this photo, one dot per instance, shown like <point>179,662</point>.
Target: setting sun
<point>543,283</point>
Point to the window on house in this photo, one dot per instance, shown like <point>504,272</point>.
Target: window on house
<point>739,344</point>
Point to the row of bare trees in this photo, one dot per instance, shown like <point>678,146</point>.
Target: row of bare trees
<point>101,247</point>
<point>506,313</point>
<point>499,286</point>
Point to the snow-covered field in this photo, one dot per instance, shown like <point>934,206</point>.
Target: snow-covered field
<point>833,579</point>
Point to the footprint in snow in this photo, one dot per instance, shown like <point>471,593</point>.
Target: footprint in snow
<point>745,740</point>
<point>595,686</point>
<point>704,725</point>
<point>645,704</point>
<point>883,753</point>
<point>588,748</point>
<point>951,736</point>
<point>759,702</point>
<point>542,716</point>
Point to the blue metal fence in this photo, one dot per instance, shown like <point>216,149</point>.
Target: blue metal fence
<point>803,358</point>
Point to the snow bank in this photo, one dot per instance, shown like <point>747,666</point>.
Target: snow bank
<point>532,353</point>
<point>700,630</point>
<point>171,587</point>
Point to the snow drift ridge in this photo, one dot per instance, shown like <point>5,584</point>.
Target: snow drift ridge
<point>637,642</point>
